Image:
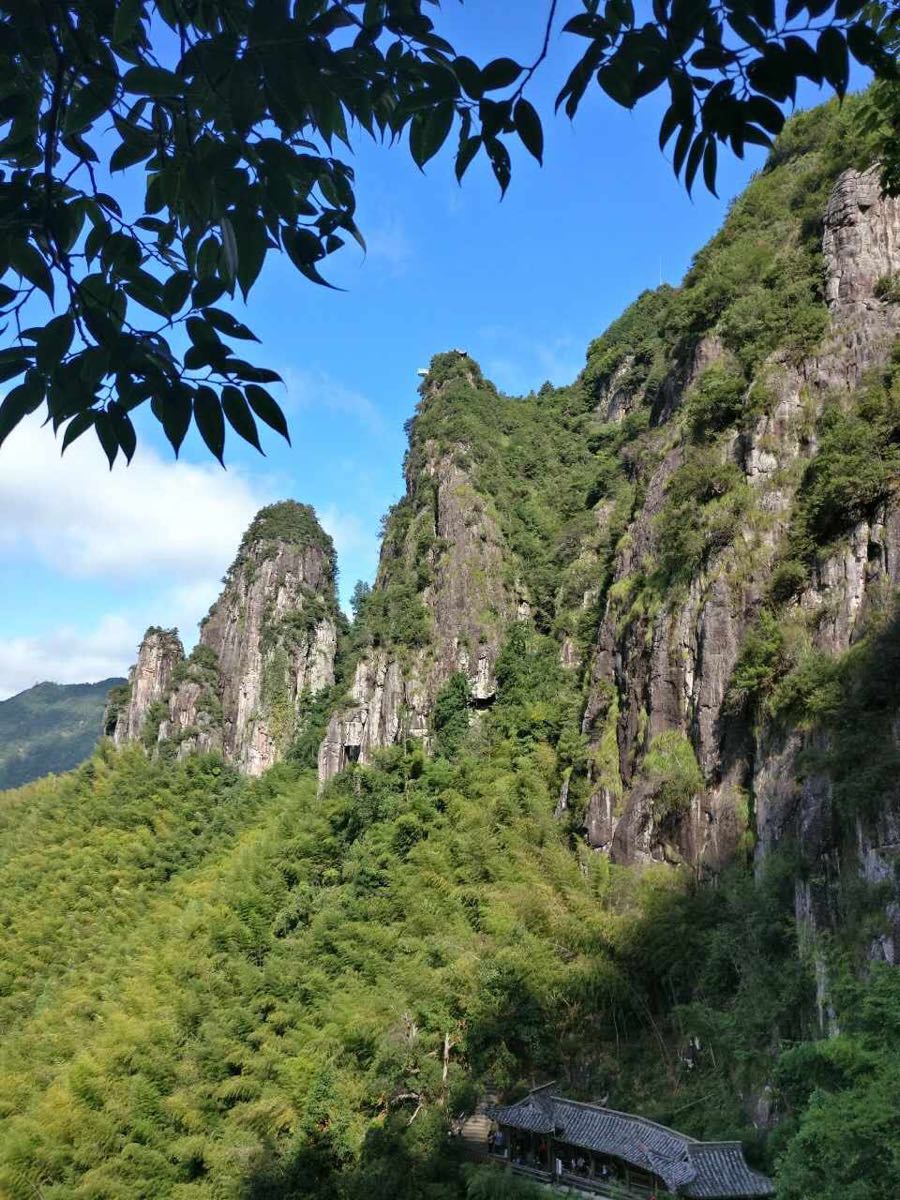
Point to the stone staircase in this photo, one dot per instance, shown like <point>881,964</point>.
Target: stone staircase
<point>474,1130</point>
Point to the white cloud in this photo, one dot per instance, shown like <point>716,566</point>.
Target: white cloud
<point>152,540</point>
<point>318,389</point>
<point>352,540</point>
<point>153,519</point>
<point>522,365</point>
<point>390,244</point>
<point>66,655</point>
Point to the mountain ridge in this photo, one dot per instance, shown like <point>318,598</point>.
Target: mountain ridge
<point>50,727</point>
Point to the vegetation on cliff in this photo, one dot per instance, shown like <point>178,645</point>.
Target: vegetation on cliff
<point>287,522</point>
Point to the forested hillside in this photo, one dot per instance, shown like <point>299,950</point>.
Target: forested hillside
<point>50,727</point>
<point>606,787</point>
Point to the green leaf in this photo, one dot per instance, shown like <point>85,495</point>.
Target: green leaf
<point>128,154</point>
<point>866,46</point>
<point>202,333</point>
<point>26,260</point>
<point>501,73</point>
<point>152,81</point>
<point>229,245</point>
<point>11,368</point>
<point>668,125</point>
<point>173,411</point>
<point>834,58</point>
<point>500,163</point>
<point>240,418</point>
<point>78,425</point>
<point>429,130</point>
<point>121,425</point>
<point>247,372</point>
<point>764,12</point>
<point>176,290</point>
<point>106,436</point>
<point>765,112</point>
<point>54,340</point>
<point>103,307</point>
<point>529,129</point>
<point>467,151</point>
<point>207,291</point>
<point>252,244</point>
<point>267,410</point>
<point>86,105</point>
<point>709,165</point>
<point>304,251</point>
<point>127,15</point>
<point>18,403</point>
<point>209,420</point>
<point>302,245</point>
<point>587,25</point>
<point>618,82</point>
<point>773,74</point>
<point>469,76</point>
<point>682,145</point>
<point>693,160</point>
<point>225,323</point>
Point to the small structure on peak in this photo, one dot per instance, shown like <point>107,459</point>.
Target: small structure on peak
<point>600,1151</point>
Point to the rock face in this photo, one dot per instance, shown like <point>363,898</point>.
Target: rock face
<point>149,683</point>
<point>443,555</point>
<point>861,242</point>
<point>668,669</point>
<point>266,649</point>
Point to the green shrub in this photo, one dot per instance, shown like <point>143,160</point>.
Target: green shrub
<point>887,288</point>
<point>717,401</point>
<point>705,501</point>
<point>841,1095</point>
<point>117,700</point>
<point>450,716</point>
<point>671,768</point>
<point>854,471</point>
<point>286,521</point>
<point>760,664</point>
<point>638,335</point>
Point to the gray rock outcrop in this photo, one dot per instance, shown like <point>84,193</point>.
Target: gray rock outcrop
<point>149,682</point>
<point>670,669</point>
<point>266,649</point>
<point>454,545</point>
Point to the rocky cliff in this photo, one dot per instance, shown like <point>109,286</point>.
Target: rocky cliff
<point>266,650</point>
<point>445,592</point>
<point>149,683</point>
<point>668,647</point>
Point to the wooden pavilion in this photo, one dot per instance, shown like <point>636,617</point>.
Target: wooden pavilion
<point>600,1151</point>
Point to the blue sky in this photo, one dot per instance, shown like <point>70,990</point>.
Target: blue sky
<point>88,558</point>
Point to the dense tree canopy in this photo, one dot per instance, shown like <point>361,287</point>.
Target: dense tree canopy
<point>154,151</point>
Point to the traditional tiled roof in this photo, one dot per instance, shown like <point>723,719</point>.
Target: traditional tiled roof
<point>701,1170</point>
<point>721,1166</point>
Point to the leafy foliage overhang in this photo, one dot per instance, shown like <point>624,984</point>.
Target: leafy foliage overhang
<point>228,113</point>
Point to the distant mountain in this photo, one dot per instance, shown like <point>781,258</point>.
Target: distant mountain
<point>50,727</point>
